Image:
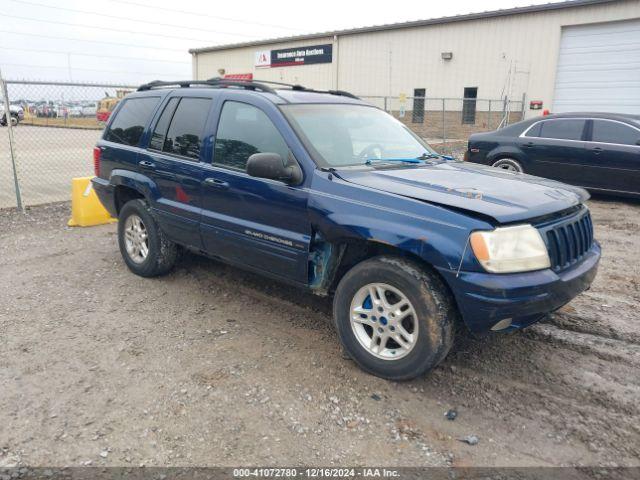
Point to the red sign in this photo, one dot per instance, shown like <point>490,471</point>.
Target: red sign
<point>239,76</point>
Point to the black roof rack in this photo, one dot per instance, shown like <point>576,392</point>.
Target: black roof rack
<point>302,88</point>
<point>248,84</point>
<point>212,82</point>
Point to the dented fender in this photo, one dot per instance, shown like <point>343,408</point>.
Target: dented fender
<point>341,212</point>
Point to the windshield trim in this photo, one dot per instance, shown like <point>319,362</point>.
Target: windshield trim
<point>319,160</point>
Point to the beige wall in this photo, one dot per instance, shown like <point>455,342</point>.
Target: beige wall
<point>397,61</point>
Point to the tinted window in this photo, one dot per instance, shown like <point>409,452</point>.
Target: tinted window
<point>243,131</point>
<point>131,119</point>
<point>187,124</point>
<point>469,105</point>
<point>562,129</point>
<point>535,130</point>
<point>613,132</point>
<point>418,105</point>
<point>160,132</point>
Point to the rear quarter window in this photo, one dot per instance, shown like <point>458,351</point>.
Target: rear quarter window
<point>131,119</point>
<point>534,131</point>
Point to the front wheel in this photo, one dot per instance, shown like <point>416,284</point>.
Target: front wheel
<point>394,318</point>
<point>144,247</point>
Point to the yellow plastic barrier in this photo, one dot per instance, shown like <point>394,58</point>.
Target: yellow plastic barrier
<point>86,209</point>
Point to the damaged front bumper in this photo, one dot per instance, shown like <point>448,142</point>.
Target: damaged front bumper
<point>486,300</point>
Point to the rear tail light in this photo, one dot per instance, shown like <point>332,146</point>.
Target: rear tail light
<point>96,160</point>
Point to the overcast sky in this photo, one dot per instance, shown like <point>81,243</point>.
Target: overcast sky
<point>133,41</point>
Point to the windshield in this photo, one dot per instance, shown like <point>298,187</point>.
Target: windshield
<point>339,135</point>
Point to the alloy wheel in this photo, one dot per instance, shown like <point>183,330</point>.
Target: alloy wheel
<point>136,239</point>
<point>384,321</point>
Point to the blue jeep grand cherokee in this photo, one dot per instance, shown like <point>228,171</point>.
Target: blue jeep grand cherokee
<point>323,191</point>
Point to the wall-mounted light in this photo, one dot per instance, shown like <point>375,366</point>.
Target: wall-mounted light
<point>221,71</point>
<point>446,55</point>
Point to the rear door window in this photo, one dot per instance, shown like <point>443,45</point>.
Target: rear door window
<point>569,129</point>
<point>160,132</point>
<point>614,132</point>
<point>184,136</point>
<point>130,121</point>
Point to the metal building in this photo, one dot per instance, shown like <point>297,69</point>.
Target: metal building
<point>567,56</point>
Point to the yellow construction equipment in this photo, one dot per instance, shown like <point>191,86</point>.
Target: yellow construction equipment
<point>86,209</point>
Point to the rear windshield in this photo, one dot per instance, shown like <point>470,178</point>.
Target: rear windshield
<point>130,121</point>
<point>339,135</point>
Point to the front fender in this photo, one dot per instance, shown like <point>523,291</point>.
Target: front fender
<point>343,211</point>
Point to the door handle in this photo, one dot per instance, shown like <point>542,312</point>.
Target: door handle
<point>597,150</point>
<point>528,144</point>
<point>147,164</point>
<point>216,183</point>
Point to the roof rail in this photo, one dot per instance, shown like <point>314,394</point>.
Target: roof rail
<point>212,82</point>
<point>302,88</point>
<point>248,84</point>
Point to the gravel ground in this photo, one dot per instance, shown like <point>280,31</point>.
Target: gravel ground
<point>214,366</point>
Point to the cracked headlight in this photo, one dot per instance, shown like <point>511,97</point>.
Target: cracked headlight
<point>510,249</point>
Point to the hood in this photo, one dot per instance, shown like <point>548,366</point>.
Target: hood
<point>505,196</point>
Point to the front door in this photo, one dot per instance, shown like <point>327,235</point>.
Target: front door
<point>172,162</point>
<point>613,156</point>
<point>259,223</point>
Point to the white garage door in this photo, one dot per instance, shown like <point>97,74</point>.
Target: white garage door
<point>599,68</point>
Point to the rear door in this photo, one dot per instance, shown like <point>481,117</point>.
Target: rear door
<point>173,162</point>
<point>555,149</point>
<point>251,221</point>
<point>613,156</point>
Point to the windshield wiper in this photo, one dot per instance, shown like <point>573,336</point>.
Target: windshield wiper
<point>427,155</point>
<point>403,160</point>
<point>416,160</point>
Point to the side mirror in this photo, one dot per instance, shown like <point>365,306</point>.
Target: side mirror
<point>272,166</point>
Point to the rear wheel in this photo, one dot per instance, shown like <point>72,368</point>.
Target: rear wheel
<point>508,164</point>
<point>144,247</point>
<point>394,319</point>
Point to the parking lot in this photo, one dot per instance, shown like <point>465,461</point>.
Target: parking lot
<point>47,159</point>
<point>214,366</point>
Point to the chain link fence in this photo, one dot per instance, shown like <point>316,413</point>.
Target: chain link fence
<point>446,123</point>
<point>56,125</point>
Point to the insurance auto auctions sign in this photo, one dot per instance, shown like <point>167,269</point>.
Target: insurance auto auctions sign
<point>288,57</point>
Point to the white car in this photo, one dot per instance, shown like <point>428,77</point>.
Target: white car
<point>89,110</point>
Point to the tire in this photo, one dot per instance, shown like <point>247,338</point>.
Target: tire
<point>508,164</point>
<point>427,329</point>
<point>14,121</point>
<point>161,253</point>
